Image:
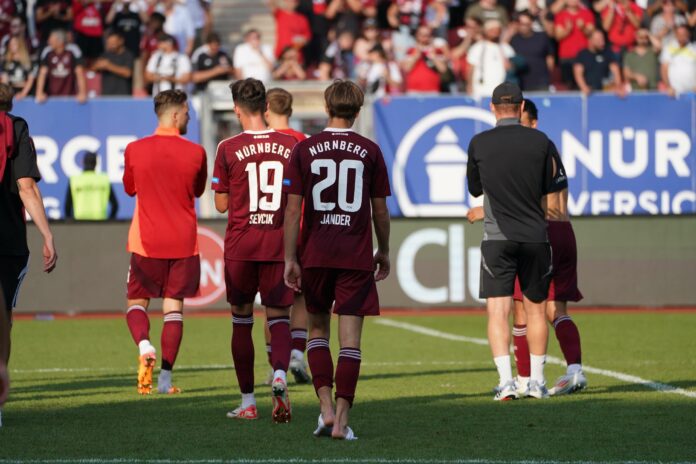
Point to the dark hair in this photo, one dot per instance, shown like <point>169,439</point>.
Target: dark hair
<point>279,101</point>
<point>164,37</point>
<point>168,98</point>
<point>285,51</point>
<point>252,31</point>
<point>380,50</point>
<point>249,94</point>
<point>344,99</point>
<point>114,32</point>
<point>6,95</point>
<point>526,13</point>
<point>213,37</point>
<point>159,17</point>
<point>89,161</point>
<point>531,109</point>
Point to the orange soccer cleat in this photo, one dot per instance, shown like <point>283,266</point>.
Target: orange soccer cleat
<point>146,364</point>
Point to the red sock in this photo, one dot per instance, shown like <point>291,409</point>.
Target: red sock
<point>569,338</point>
<point>320,363</point>
<point>519,341</point>
<point>280,342</point>
<point>299,339</point>
<point>138,323</point>
<point>347,373</point>
<point>268,354</point>
<point>243,351</point>
<point>172,331</point>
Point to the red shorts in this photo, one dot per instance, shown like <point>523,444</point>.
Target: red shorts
<point>245,278</point>
<point>163,278</point>
<point>564,281</point>
<point>355,292</point>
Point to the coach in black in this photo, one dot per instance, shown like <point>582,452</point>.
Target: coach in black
<point>18,191</point>
<point>513,167</point>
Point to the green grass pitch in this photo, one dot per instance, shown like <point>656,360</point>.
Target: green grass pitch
<point>420,398</point>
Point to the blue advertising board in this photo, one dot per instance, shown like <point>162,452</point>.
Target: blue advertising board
<point>63,130</point>
<point>632,156</point>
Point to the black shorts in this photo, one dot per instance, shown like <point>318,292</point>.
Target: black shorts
<point>502,260</point>
<point>12,272</point>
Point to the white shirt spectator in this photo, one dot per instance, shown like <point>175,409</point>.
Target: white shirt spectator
<point>375,74</point>
<point>179,24</point>
<point>251,63</point>
<point>681,66</point>
<point>168,64</point>
<point>488,60</point>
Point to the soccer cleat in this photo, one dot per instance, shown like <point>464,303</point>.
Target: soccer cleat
<point>506,392</point>
<point>248,413</point>
<point>349,436</point>
<point>146,364</point>
<point>537,390</point>
<point>522,386</point>
<point>281,401</point>
<point>168,389</point>
<point>569,383</point>
<point>322,429</point>
<point>299,370</point>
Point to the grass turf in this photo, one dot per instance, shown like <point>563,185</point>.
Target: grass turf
<point>419,398</point>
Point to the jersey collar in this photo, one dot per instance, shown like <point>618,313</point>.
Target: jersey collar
<point>338,129</point>
<point>267,131</point>
<point>167,131</point>
<point>507,122</point>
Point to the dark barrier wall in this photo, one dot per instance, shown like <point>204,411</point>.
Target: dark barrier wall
<point>622,262</point>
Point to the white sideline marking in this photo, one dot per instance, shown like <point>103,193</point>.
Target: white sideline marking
<point>632,379</point>
<point>309,461</point>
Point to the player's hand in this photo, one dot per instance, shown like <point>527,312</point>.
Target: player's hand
<point>381,266</point>
<point>293,275</point>
<point>4,383</point>
<point>50,257</point>
<point>475,214</point>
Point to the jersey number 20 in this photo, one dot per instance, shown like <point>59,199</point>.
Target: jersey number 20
<point>343,168</point>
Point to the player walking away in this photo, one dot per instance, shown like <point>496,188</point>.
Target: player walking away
<point>344,179</point>
<point>247,182</point>
<point>165,172</point>
<point>277,117</point>
<point>18,191</point>
<point>512,166</point>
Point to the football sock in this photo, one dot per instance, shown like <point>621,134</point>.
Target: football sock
<point>138,323</point>
<point>569,338</point>
<point>299,341</point>
<point>268,354</point>
<point>248,399</point>
<point>243,351</point>
<point>320,362</point>
<point>280,342</point>
<point>537,367</point>
<point>347,373</point>
<point>172,332</point>
<point>521,349</point>
<point>145,347</point>
<point>280,374</point>
<point>502,363</point>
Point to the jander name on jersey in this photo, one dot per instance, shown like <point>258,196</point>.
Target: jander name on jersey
<point>342,145</point>
<point>262,148</point>
<point>336,220</point>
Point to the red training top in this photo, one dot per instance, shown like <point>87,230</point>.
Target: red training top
<point>290,24</point>
<point>299,136</point>
<point>622,34</point>
<point>571,45</point>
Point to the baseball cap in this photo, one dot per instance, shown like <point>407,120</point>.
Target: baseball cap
<point>507,93</point>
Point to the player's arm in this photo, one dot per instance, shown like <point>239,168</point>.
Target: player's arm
<point>128,176</point>
<point>222,202</point>
<point>472,174</point>
<point>31,199</point>
<point>381,221</point>
<point>202,177</point>
<point>293,273</point>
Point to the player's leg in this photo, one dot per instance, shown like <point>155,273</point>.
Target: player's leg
<point>5,316</point>
<point>347,372</point>
<point>519,342</point>
<point>172,333</point>
<point>568,337</point>
<point>298,332</point>
<point>267,338</point>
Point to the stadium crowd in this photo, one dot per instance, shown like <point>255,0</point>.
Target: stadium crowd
<point>141,47</point>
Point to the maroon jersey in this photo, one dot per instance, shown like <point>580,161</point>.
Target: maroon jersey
<point>338,172</point>
<point>250,167</point>
<point>61,79</point>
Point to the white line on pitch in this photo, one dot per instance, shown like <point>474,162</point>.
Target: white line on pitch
<point>632,379</point>
<point>307,461</point>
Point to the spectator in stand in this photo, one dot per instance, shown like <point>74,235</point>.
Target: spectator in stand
<point>289,67</point>
<point>115,66</point>
<point>252,59</point>
<point>572,26</point>
<point>406,16</point>
<point>469,34</point>
<point>62,71</point>
<point>127,17</point>
<point>678,60</point>
<point>149,43</point>
<point>489,61</point>
<point>378,75</point>
<point>641,65</point>
<point>8,10</point>
<point>339,61</point>
<point>167,69</point>
<point>88,28</point>
<point>18,68</point>
<point>535,49</point>
<point>347,14</point>
<point>51,15</point>
<point>199,12</point>
<point>367,41</point>
<point>488,10</point>
<point>211,63</point>
<point>437,17</point>
<point>18,28</point>
<point>292,28</point>
<point>179,24</point>
<point>424,64</point>
<point>664,24</point>
<point>621,19</point>
<point>596,66</point>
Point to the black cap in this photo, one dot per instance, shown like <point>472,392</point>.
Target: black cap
<point>507,93</point>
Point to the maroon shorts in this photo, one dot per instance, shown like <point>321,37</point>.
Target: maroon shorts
<point>564,280</point>
<point>245,278</point>
<point>355,292</point>
<point>163,278</point>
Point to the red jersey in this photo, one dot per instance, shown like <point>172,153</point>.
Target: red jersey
<point>571,45</point>
<point>250,168</point>
<point>165,172</point>
<point>422,78</point>
<point>299,136</point>
<point>87,19</point>
<point>289,25</point>
<point>621,33</point>
<point>338,172</point>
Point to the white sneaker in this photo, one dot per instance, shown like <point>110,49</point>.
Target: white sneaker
<point>299,370</point>
<point>506,392</point>
<point>569,383</point>
<point>522,386</point>
<point>537,390</point>
<point>322,430</point>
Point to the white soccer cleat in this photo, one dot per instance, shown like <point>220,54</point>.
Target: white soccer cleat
<point>248,413</point>
<point>322,429</point>
<point>569,383</point>
<point>506,392</point>
<point>281,402</point>
<point>522,386</point>
<point>537,390</point>
<point>349,436</point>
<point>299,370</point>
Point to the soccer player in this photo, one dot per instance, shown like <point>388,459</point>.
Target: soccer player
<point>19,174</point>
<point>247,181</point>
<point>513,166</point>
<point>343,178</point>
<point>165,173</point>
